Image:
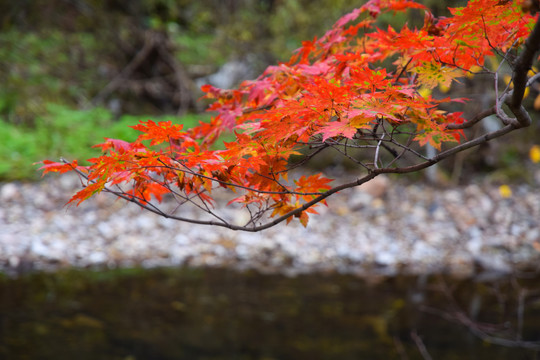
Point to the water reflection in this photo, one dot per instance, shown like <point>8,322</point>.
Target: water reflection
<point>224,314</point>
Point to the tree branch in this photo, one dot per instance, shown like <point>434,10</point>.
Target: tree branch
<point>521,67</point>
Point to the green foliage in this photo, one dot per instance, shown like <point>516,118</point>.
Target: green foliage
<point>297,20</point>
<point>18,149</point>
<point>197,49</point>
<point>65,132</point>
<point>45,67</point>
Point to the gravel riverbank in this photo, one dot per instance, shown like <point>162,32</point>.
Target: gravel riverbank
<point>382,228</point>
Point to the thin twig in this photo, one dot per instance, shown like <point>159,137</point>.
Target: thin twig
<point>420,345</point>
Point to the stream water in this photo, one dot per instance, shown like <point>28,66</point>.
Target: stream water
<point>216,314</point>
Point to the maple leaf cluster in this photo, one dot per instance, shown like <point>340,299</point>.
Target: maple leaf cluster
<point>358,87</point>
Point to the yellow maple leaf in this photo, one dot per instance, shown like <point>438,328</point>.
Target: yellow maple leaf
<point>432,75</point>
<point>534,153</point>
<point>424,92</point>
<point>536,103</point>
<point>505,191</point>
<point>473,71</point>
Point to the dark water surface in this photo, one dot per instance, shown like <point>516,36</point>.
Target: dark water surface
<point>225,314</point>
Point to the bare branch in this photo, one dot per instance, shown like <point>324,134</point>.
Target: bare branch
<point>420,345</point>
<point>521,67</point>
<point>476,119</point>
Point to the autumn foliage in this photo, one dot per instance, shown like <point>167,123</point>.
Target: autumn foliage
<point>363,92</point>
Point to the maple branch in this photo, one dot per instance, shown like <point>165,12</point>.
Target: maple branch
<point>375,172</point>
<point>521,67</point>
<point>376,159</point>
<point>443,155</point>
<point>372,173</point>
<point>420,345</point>
<point>402,71</point>
<point>477,118</point>
<point>356,161</point>
<point>489,42</point>
<point>308,157</point>
<point>349,97</point>
<point>408,149</point>
<point>230,184</point>
<point>148,206</point>
<point>140,201</point>
<point>405,148</point>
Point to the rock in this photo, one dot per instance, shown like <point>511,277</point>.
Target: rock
<point>106,230</point>
<point>378,227</point>
<point>228,75</point>
<point>97,257</point>
<point>9,192</point>
<point>376,188</point>
<point>38,248</point>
